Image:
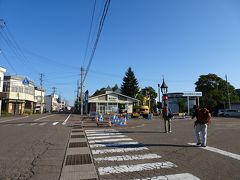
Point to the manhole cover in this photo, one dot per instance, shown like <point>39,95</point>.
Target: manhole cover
<point>77,144</point>
<point>77,136</point>
<point>78,159</point>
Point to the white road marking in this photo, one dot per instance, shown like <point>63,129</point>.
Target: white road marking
<point>42,124</point>
<point>55,123</point>
<point>100,130</point>
<point>20,124</point>
<point>43,117</point>
<point>103,134</point>
<point>219,151</point>
<point>14,119</point>
<point>118,150</point>
<point>66,119</point>
<point>113,144</point>
<point>109,140</point>
<point>134,168</point>
<point>183,176</point>
<point>106,137</point>
<point>128,157</point>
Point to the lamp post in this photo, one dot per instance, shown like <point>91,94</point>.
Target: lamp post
<point>164,90</point>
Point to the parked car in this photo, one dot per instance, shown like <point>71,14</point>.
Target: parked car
<point>231,113</point>
<point>220,112</point>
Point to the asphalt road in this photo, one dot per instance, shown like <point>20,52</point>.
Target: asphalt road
<point>34,148</point>
<point>187,160</point>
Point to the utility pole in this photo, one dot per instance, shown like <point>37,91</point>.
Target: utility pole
<point>228,94</point>
<point>41,85</point>
<point>81,89</point>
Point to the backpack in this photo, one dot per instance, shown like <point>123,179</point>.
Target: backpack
<point>203,116</point>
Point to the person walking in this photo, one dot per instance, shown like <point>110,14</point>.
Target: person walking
<point>167,117</point>
<point>203,117</point>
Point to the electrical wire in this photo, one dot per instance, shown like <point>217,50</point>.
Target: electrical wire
<point>90,31</point>
<point>9,63</point>
<point>105,10</point>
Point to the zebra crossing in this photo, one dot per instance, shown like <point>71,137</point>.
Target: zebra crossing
<point>117,156</point>
<point>30,124</point>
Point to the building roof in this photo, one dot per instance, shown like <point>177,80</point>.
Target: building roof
<point>113,92</point>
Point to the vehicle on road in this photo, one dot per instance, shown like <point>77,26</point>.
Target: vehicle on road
<point>231,113</point>
<point>140,111</point>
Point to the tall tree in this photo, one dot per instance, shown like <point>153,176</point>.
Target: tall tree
<point>215,91</point>
<point>130,86</point>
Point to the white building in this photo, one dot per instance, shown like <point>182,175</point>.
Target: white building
<point>20,95</point>
<point>111,102</point>
<point>39,100</point>
<point>2,95</point>
<point>52,103</point>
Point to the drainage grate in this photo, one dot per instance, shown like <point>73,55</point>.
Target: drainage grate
<point>77,144</point>
<point>77,136</point>
<point>77,127</point>
<point>78,159</point>
<point>74,131</point>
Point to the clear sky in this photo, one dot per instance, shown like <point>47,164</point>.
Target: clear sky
<point>180,39</point>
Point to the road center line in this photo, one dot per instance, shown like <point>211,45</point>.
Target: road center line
<point>66,119</point>
<point>219,151</point>
<point>43,117</point>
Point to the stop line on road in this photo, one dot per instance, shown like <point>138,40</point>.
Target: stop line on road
<point>107,146</point>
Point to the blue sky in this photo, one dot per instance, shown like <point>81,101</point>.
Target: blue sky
<point>180,39</point>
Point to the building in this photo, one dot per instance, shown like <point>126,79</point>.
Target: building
<point>20,95</point>
<point>39,100</point>
<point>2,95</point>
<point>51,103</point>
<point>111,101</point>
<point>188,98</point>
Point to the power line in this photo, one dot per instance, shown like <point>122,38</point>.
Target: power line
<point>9,63</point>
<point>105,10</point>
<point>90,31</point>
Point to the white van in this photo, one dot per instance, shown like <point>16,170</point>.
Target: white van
<point>231,113</point>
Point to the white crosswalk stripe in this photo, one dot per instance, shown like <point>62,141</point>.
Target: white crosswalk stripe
<point>119,144</point>
<point>107,146</point>
<point>128,157</point>
<point>134,168</point>
<point>183,176</point>
<point>106,137</point>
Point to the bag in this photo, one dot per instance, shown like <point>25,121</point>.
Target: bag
<point>203,116</point>
<point>170,115</point>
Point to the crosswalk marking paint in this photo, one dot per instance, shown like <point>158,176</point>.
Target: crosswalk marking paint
<point>41,124</point>
<point>219,151</point>
<point>55,123</point>
<point>109,140</point>
<point>100,131</point>
<point>20,124</point>
<point>118,150</point>
<point>103,134</point>
<point>106,137</point>
<point>134,168</point>
<point>120,144</point>
<point>128,157</point>
<point>183,176</point>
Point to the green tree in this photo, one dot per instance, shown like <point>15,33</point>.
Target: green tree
<point>181,104</point>
<point>215,91</point>
<point>130,86</point>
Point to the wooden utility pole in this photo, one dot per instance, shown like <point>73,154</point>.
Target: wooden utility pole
<point>81,89</point>
<point>41,86</point>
